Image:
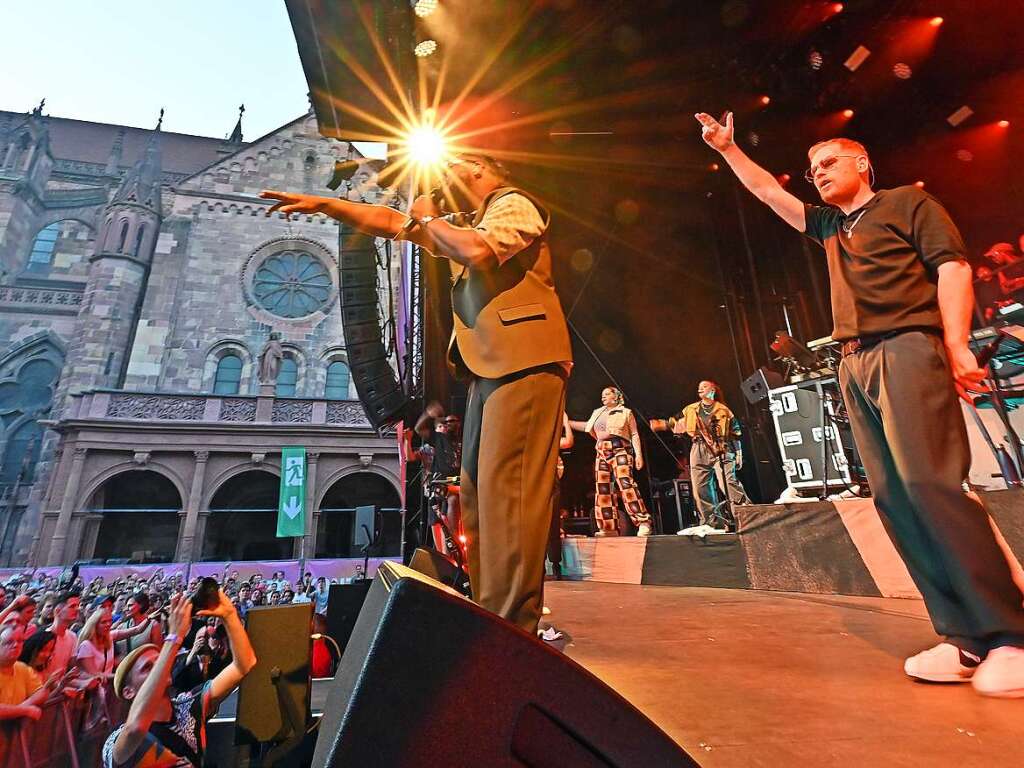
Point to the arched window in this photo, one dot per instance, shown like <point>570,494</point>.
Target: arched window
<point>287,378</point>
<point>124,238</point>
<point>138,241</point>
<point>229,375</point>
<point>17,461</point>
<point>337,381</point>
<point>45,242</point>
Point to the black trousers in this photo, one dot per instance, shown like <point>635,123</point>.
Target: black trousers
<point>910,432</point>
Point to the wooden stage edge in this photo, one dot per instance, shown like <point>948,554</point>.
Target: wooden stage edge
<point>757,678</point>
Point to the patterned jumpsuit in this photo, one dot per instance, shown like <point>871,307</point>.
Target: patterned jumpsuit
<point>613,469</point>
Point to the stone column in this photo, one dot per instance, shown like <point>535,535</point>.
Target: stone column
<point>204,517</point>
<point>265,403</point>
<point>187,535</point>
<point>67,508</point>
<point>306,547</point>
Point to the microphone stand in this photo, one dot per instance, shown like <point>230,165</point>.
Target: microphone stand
<point>371,541</point>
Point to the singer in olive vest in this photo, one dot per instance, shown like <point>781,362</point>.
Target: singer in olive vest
<point>511,342</point>
<point>508,319</point>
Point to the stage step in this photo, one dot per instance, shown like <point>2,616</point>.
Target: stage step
<point>836,548</point>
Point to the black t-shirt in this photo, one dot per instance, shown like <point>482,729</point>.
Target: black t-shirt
<point>883,261</point>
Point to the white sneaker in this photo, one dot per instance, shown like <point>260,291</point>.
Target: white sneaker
<point>643,530</point>
<point>1001,674</point>
<point>549,635</point>
<point>545,611</point>
<point>945,663</point>
<point>693,530</point>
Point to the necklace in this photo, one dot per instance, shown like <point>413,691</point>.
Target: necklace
<point>848,226</point>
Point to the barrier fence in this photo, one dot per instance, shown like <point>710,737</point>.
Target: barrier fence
<point>70,732</point>
<point>329,568</point>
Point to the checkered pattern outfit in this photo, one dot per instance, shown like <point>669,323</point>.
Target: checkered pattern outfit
<point>613,473</point>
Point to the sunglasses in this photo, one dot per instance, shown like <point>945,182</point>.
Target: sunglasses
<point>827,164</point>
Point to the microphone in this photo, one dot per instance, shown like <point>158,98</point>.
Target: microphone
<point>437,195</point>
<point>986,353</point>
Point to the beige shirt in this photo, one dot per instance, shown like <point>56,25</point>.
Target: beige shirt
<point>509,225</point>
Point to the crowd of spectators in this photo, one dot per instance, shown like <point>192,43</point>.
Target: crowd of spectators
<point>63,638</point>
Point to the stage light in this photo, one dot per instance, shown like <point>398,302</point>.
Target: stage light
<point>424,8</point>
<point>426,146</point>
<point>902,71</point>
<point>964,155</point>
<point>754,138</point>
<point>919,184</point>
<point>959,116</point>
<point>936,21</point>
<point>1003,123</point>
<point>847,113</point>
<point>815,59</point>
<point>784,179</point>
<point>837,7</point>
<point>425,48</point>
<point>858,57</point>
<point>713,167</point>
<point>766,100</point>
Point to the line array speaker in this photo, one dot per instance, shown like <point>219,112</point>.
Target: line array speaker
<point>376,383</point>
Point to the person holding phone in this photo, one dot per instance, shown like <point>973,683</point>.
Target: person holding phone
<point>160,726</point>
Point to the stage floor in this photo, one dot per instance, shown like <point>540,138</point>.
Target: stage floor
<point>754,678</point>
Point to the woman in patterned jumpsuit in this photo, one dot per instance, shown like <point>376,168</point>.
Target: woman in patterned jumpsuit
<point>614,428</point>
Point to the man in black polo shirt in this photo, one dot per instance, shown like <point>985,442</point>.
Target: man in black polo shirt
<point>901,304</point>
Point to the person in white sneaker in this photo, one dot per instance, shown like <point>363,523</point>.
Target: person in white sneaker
<point>619,451</point>
<point>901,305</point>
<point>716,455</point>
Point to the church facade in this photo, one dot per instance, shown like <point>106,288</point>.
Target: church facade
<point>140,282</point>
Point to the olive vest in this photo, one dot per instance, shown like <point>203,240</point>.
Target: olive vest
<point>508,318</point>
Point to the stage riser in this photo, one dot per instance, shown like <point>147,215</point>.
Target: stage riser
<point>837,548</point>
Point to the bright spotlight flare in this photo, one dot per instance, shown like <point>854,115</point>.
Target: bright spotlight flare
<point>426,151</point>
<point>426,147</point>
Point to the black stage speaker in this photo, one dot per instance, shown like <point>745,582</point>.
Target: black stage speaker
<point>756,386</point>
<point>376,383</point>
<point>430,679</point>
<point>440,568</point>
<point>344,602</point>
<point>364,527</point>
<point>280,639</point>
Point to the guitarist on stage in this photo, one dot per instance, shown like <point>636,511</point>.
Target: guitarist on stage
<point>716,450</point>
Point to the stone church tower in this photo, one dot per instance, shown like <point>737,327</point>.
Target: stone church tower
<point>139,283</point>
<point>119,271</point>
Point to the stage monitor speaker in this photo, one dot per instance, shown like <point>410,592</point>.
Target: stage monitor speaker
<point>344,602</point>
<point>280,638</point>
<point>756,386</point>
<point>440,568</point>
<point>430,679</point>
<point>376,383</point>
<point>364,527</point>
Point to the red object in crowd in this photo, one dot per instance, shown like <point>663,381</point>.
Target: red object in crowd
<point>322,663</point>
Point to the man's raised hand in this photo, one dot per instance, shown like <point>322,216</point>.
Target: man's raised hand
<point>289,203</point>
<point>716,135</point>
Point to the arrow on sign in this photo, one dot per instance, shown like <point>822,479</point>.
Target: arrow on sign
<point>292,507</point>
